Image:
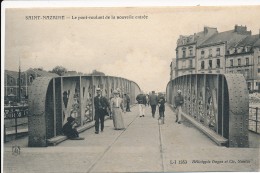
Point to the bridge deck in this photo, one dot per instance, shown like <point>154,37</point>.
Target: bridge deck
<point>144,146</point>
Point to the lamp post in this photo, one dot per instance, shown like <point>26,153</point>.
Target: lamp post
<point>19,82</point>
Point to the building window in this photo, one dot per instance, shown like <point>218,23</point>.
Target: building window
<point>218,51</point>
<point>231,63</point>
<point>259,60</point>
<point>191,52</point>
<point>183,64</point>
<point>247,61</point>
<point>183,54</point>
<point>258,70</point>
<point>202,54</point>
<point>31,79</point>
<point>239,62</point>
<point>210,64</point>
<point>11,90</point>
<point>11,80</point>
<point>190,63</point>
<point>202,65</point>
<point>210,52</point>
<point>21,81</point>
<point>218,63</point>
<point>246,73</point>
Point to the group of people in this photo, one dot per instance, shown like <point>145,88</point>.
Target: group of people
<point>103,107</point>
<point>153,100</point>
<point>116,107</point>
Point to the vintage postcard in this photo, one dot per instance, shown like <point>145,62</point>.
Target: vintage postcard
<point>130,89</point>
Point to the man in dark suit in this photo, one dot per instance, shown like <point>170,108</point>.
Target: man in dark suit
<point>127,98</point>
<point>161,104</point>
<point>101,106</point>
<point>153,102</point>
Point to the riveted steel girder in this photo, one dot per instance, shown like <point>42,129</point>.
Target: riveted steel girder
<point>53,100</point>
<point>217,101</point>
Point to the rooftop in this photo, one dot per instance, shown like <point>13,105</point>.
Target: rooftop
<point>249,41</point>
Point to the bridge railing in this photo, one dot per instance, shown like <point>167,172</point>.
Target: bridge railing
<point>52,100</point>
<point>254,120</point>
<point>219,102</point>
<point>15,120</point>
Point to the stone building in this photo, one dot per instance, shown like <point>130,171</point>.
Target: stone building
<point>211,54</point>
<point>210,51</point>
<point>11,82</point>
<point>243,58</point>
<point>186,50</point>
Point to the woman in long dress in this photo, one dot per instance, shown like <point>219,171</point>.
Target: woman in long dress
<point>117,110</point>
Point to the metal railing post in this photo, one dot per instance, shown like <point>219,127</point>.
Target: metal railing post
<point>4,133</point>
<point>15,114</point>
<point>256,116</point>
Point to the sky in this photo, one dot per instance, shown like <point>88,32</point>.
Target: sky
<point>136,49</point>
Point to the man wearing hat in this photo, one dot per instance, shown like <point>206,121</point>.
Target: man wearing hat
<point>141,99</point>
<point>178,101</point>
<point>127,99</point>
<point>69,129</point>
<point>153,102</point>
<point>101,106</point>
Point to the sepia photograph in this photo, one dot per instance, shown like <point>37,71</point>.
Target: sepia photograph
<point>130,88</point>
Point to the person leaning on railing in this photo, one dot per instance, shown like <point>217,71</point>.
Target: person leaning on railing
<point>178,101</point>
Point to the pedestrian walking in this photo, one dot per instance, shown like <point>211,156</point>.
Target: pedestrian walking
<point>178,101</point>
<point>153,102</point>
<point>69,129</point>
<point>147,100</point>
<point>117,109</point>
<point>141,99</point>
<point>102,107</point>
<point>127,99</point>
<point>161,105</point>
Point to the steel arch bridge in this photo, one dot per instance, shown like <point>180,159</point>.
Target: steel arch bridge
<point>52,100</point>
<point>217,103</point>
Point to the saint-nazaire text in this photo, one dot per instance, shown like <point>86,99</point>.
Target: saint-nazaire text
<point>44,17</point>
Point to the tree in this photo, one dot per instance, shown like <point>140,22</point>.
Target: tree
<point>39,68</point>
<point>60,70</point>
<point>97,73</point>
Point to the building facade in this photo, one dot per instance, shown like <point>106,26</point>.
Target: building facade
<point>186,61</point>
<point>11,82</point>
<point>233,51</point>
<point>212,53</point>
<point>211,58</point>
<point>242,58</point>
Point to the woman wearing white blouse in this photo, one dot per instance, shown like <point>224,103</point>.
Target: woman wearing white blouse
<point>117,111</point>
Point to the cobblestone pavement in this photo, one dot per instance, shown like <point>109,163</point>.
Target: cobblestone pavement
<point>145,146</point>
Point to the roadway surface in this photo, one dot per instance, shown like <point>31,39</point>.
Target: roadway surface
<point>145,146</point>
